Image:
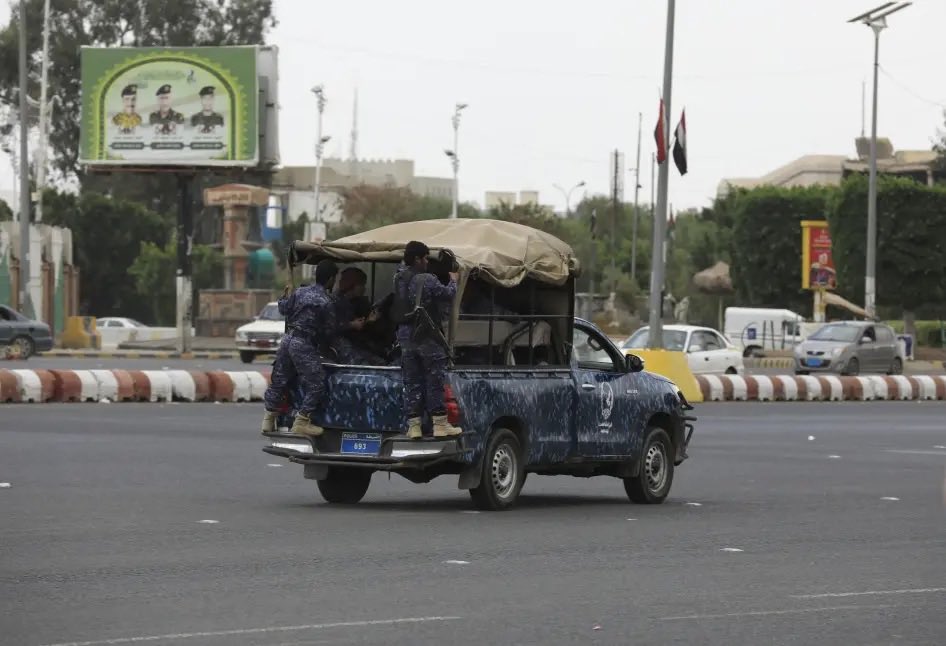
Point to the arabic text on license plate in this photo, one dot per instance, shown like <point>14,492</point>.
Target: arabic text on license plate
<point>361,443</point>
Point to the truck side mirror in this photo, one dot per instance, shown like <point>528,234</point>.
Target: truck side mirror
<point>633,363</point>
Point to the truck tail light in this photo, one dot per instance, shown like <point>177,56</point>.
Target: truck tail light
<point>453,408</point>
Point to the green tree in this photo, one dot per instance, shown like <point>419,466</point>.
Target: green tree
<point>155,270</point>
<point>911,241</point>
<point>766,244</point>
<point>107,234</point>
<point>369,207</point>
<point>112,23</point>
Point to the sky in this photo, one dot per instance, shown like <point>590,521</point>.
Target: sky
<point>554,87</point>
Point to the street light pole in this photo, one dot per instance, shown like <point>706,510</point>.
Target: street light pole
<point>876,19</point>
<point>568,196</point>
<point>454,156</point>
<point>43,125</point>
<point>660,217</point>
<point>319,93</point>
<point>24,304</point>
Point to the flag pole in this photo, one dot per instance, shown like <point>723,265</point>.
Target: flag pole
<point>660,217</point>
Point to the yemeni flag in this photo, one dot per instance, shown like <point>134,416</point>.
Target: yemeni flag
<point>680,144</point>
<point>660,136</point>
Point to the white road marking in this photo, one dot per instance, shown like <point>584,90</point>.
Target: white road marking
<point>939,446</point>
<point>915,452</point>
<point>729,549</point>
<point>693,504</point>
<point>632,519</point>
<point>257,631</point>
<point>453,562</point>
<point>835,457</point>
<point>868,593</point>
<point>811,438</point>
<point>890,498</point>
<point>4,485</point>
<point>208,521</point>
<point>275,465</point>
<point>758,613</point>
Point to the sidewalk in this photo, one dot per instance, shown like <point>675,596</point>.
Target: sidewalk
<point>201,348</point>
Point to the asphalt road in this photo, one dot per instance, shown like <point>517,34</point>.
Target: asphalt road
<point>102,540</point>
<point>264,363</point>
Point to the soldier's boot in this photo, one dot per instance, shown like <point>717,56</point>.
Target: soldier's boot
<point>443,428</point>
<point>269,422</point>
<point>414,429</point>
<point>304,426</point>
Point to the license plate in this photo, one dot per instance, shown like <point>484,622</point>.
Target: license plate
<point>361,443</point>
<point>813,363</point>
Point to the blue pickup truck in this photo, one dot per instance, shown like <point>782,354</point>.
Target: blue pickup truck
<point>534,389</point>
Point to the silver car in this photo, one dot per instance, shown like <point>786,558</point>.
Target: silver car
<point>849,348</point>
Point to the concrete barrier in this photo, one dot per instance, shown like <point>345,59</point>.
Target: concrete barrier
<point>822,388</point>
<point>37,386</point>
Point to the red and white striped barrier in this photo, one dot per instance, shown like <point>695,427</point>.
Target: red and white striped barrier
<point>38,386</point>
<point>821,388</point>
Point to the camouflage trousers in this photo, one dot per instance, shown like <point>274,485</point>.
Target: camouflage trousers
<point>424,370</point>
<point>297,360</point>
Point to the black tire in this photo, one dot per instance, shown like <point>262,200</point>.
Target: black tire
<point>345,486</point>
<point>752,352</point>
<point>247,357</point>
<point>503,473</point>
<point>652,485</point>
<point>853,368</point>
<point>897,367</point>
<point>731,370</point>
<point>24,346</point>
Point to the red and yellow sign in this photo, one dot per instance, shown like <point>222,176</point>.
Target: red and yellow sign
<point>817,264</point>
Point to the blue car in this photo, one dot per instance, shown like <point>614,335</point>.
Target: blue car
<point>533,389</point>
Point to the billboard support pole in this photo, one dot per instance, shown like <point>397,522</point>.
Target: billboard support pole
<point>185,292</point>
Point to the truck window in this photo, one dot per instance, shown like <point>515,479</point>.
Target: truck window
<point>591,351</point>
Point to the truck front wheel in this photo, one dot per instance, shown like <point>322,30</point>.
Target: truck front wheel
<point>345,486</point>
<point>652,485</point>
<point>503,473</point>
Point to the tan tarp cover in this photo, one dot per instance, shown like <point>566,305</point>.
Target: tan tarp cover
<point>715,280</point>
<point>831,298</point>
<point>504,253</point>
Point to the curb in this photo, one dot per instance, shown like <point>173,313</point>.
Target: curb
<point>144,354</point>
<point>786,363</point>
<point>41,386</point>
<point>822,388</point>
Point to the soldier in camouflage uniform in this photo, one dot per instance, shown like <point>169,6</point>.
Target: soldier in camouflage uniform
<point>165,118</point>
<point>423,357</point>
<point>353,315</point>
<point>207,118</point>
<point>310,318</point>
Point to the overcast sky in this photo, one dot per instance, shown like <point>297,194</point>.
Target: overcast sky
<point>554,86</point>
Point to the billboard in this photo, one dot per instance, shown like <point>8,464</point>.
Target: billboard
<point>188,106</point>
<point>817,265</point>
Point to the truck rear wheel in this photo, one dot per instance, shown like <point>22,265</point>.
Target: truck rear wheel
<point>345,486</point>
<point>503,473</point>
<point>652,485</point>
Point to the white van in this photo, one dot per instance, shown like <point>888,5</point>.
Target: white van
<point>756,329</point>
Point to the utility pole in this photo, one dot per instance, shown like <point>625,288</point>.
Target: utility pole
<point>185,291</point>
<point>617,177</point>
<point>454,156</point>
<point>637,187</point>
<point>25,303</point>
<point>315,222</point>
<point>876,19</point>
<point>43,117</point>
<point>660,217</point>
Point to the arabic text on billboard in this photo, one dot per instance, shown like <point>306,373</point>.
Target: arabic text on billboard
<point>817,262</point>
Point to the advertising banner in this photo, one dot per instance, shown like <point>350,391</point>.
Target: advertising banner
<point>189,106</point>
<point>817,266</point>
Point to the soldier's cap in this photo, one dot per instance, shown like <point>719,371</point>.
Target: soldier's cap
<point>325,271</point>
<point>130,90</point>
<point>164,89</point>
<point>207,90</point>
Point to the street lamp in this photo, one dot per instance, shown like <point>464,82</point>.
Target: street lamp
<point>454,156</point>
<point>320,142</point>
<point>568,195</point>
<point>876,19</point>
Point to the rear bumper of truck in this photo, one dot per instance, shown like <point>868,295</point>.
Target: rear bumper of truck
<point>397,453</point>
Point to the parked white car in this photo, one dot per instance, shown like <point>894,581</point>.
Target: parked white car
<point>118,322</point>
<point>708,351</point>
<point>262,336</point>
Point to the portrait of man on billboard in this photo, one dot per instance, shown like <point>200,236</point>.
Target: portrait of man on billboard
<point>128,119</point>
<point>207,119</point>
<point>822,274</point>
<point>165,119</point>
